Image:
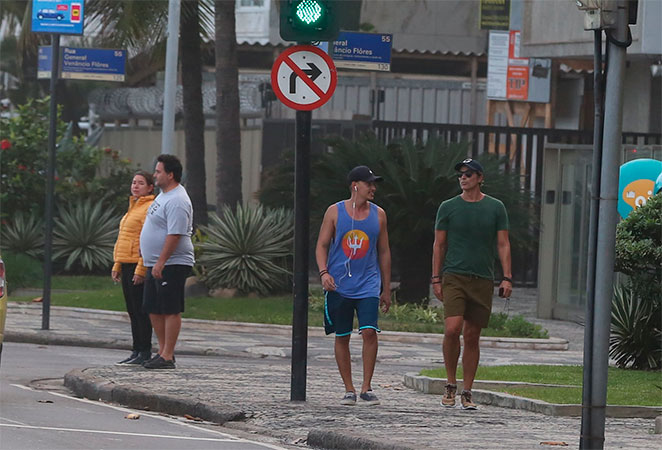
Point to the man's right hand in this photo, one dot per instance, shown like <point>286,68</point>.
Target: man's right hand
<point>115,275</point>
<point>328,283</point>
<point>436,288</point>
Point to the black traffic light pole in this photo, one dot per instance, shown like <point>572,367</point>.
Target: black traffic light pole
<point>301,255</point>
<point>294,28</point>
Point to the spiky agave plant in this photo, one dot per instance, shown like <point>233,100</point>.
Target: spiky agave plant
<point>248,249</point>
<point>636,330</point>
<point>84,235</point>
<point>24,234</point>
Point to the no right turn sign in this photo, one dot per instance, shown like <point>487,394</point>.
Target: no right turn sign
<point>304,77</point>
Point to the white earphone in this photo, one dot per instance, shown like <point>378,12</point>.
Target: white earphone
<point>356,188</point>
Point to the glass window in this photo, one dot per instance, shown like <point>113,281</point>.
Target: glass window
<point>251,3</point>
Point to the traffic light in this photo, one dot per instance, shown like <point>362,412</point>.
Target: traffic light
<point>309,20</point>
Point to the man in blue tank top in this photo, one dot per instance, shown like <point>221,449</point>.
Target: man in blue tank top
<point>354,260</point>
<point>471,229</point>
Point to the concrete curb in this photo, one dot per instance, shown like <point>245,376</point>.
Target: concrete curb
<point>335,440</point>
<point>429,385</point>
<point>286,330</point>
<point>98,389</point>
<point>101,390</point>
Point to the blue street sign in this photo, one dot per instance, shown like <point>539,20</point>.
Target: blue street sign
<point>367,51</point>
<point>58,16</point>
<point>98,64</point>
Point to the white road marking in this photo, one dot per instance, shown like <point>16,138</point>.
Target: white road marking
<point>80,430</point>
<point>153,415</point>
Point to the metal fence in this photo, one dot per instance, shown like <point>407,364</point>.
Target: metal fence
<point>524,150</point>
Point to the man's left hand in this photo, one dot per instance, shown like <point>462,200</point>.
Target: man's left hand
<point>385,301</point>
<point>157,270</point>
<point>507,287</point>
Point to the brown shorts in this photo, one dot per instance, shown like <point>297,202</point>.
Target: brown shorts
<point>468,296</point>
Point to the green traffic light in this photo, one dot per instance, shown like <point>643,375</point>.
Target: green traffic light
<point>309,11</point>
<point>308,20</point>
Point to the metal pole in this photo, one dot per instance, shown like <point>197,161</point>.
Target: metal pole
<point>592,237</point>
<point>50,184</point>
<point>604,268</point>
<point>301,239</point>
<point>170,82</point>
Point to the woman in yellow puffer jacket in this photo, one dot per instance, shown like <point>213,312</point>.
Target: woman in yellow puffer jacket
<point>129,269</point>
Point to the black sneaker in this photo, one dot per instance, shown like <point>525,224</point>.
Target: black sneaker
<point>159,363</point>
<point>140,359</point>
<point>156,355</point>
<point>369,398</point>
<point>134,354</point>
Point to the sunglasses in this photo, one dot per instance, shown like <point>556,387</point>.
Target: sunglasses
<point>466,173</point>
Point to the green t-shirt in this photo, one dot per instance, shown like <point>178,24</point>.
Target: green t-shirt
<point>471,234</point>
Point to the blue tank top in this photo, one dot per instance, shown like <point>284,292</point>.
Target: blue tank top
<point>353,261</point>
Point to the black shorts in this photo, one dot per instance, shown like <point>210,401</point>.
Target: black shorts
<point>165,295</point>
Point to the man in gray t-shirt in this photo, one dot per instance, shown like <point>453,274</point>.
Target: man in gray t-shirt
<point>167,252</point>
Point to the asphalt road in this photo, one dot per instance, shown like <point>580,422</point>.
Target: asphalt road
<point>37,412</point>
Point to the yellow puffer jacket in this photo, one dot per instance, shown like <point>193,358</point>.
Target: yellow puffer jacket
<point>127,247</point>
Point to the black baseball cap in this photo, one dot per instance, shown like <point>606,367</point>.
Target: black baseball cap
<point>471,164</point>
<point>362,173</point>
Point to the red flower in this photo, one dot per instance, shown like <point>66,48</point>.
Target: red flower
<point>56,178</point>
<point>22,167</point>
<point>5,144</point>
<point>107,149</point>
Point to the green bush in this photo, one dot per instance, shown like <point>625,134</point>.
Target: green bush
<point>408,312</point>
<point>248,249</point>
<point>636,324</point>
<point>22,271</point>
<point>517,326</point>
<point>84,236</point>
<point>83,171</point>
<point>24,233</point>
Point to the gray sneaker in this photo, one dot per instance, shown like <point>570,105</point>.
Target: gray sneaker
<point>349,399</point>
<point>369,398</point>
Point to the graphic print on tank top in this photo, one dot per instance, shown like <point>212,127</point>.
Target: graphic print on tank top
<point>355,244</point>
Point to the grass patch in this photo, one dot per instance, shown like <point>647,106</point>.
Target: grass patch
<point>624,387</point>
<point>75,282</point>
<point>274,310</point>
<point>99,292</point>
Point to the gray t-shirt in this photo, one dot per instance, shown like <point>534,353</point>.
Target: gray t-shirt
<point>170,213</point>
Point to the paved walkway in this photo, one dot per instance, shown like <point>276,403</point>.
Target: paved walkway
<point>249,376</point>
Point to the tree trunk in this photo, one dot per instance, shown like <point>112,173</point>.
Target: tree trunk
<point>194,120</point>
<point>414,264</point>
<point>228,138</point>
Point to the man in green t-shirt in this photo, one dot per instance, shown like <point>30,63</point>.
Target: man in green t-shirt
<point>470,230</point>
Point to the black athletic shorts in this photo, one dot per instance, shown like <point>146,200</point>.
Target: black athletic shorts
<point>165,295</point>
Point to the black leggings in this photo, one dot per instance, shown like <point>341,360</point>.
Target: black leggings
<point>141,327</point>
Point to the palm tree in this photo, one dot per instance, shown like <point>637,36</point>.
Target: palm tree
<point>194,119</point>
<point>20,52</point>
<point>143,25</point>
<point>228,139</point>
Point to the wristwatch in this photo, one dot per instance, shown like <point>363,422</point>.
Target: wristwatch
<point>508,279</point>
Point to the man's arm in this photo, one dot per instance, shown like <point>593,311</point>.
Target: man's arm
<point>438,256</point>
<point>327,231</point>
<point>384,255</point>
<point>169,246</point>
<point>503,247</point>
